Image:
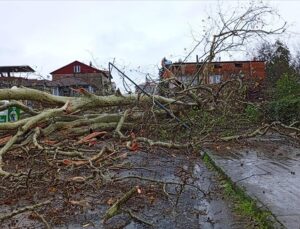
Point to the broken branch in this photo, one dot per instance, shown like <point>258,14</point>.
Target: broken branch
<point>113,210</point>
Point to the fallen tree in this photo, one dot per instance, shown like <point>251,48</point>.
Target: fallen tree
<point>48,121</point>
<point>77,144</point>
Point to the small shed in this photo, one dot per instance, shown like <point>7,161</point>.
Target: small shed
<point>8,70</point>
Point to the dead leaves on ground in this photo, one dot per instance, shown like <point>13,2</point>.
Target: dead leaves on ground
<point>82,203</point>
<point>74,162</point>
<point>79,179</point>
<point>91,139</point>
<point>5,139</point>
<point>133,144</point>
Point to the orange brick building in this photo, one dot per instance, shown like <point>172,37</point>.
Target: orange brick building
<point>217,72</point>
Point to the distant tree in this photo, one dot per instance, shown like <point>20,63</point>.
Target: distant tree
<point>278,61</point>
<point>264,52</point>
<point>296,64</point>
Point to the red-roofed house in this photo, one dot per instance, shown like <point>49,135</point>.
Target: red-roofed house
<point>78,74</point>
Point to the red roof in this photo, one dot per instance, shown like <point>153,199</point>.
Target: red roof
<point>84,68</point>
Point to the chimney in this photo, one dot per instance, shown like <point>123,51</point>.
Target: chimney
<point>197,58</point>
<point>91,65</point>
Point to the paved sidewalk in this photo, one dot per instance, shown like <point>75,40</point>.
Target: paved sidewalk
<point>269,169</point>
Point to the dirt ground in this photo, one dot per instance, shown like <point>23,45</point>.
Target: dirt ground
<point>177,191</point>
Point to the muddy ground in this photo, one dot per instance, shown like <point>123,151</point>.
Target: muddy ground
<point>177,191</point>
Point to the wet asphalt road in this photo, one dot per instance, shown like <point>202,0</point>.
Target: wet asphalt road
<point>190,199</point>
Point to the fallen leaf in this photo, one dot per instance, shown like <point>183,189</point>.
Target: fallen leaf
<point>72,162</point>
<point>92,142</point>
<point>132,135</point>
<point>152,199</point>
<point>134,146</point>
<point>78,179</point>
<point>49,142</point>
<point>110,201</point>
<point>82,203</point>
<point>5,139</point>
<point>66,161</point>
<point>80,90</point>
<point>91,136</point>
<point>52,189</point>
<point>79,162</point>
<point>33,216</point>
<point>139,190</point>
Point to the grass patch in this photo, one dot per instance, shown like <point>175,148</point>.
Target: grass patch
<point>243,204</point>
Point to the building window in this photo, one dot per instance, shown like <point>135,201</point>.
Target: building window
<point>238,65</point>
<point>55,91</point>
<point>77,69</point>
<point>217,65</point>
<point>214,79</point>
<point>90,89</point>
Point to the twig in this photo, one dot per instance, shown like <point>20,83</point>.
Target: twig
<point>24,209</point>
<point>260,131</point>
<point>157,181</point>
<point>120,124</point>
<point>162,144</point>
<point>27,126</point>
<point>113,210</point>
<point>36,134</point>
<point>135,217</point>
<point>47,225</point>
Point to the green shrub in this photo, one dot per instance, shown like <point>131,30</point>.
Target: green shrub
<point>253,113</point>
<point>286,104</point>
<point>287,85</point>
<point>286,109</point>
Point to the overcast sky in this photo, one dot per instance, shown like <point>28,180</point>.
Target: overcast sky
<point>49,34</point>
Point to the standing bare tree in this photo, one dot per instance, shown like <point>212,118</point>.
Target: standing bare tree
<point>233,30</point>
